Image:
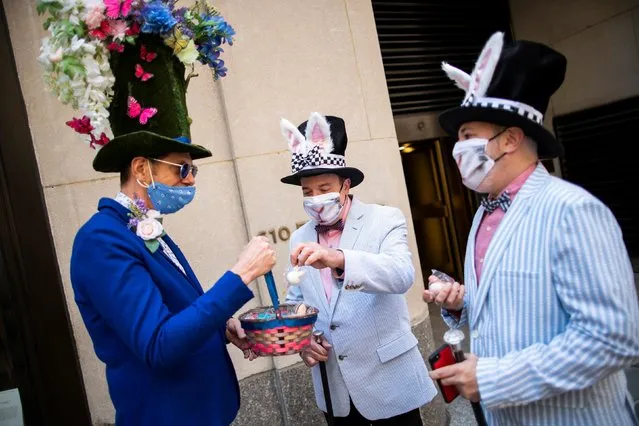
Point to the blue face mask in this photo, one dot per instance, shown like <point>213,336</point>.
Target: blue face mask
<point>168,199</point>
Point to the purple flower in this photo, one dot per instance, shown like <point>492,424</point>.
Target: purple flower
<point>141,205</point>
<point>133,223</point>
<point>157,18</point>
<point>187,32</point>
<point>178,14</point>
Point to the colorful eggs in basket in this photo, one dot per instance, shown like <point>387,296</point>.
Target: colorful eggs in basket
<point>300,310</point>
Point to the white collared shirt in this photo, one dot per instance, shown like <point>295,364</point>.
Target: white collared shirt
<point>126,202</point>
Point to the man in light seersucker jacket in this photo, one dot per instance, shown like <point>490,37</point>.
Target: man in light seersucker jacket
<point>358,269</point>
<point>549,292</point>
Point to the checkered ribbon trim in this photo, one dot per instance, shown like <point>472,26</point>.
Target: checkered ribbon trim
<point>315,158</point>
<point>517,107</point>
<point>502,202</point>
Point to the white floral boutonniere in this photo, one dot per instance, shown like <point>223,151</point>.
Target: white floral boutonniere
<point>147,224</point>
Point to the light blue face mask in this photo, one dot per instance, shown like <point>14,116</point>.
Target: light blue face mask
<point>168,199</point>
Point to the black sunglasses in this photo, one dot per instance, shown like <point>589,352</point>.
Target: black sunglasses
<point>185,168</point>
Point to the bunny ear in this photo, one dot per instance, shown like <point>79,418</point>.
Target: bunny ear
<point>461,79</point>
<point>295,139</point>
<point>318,132</point>
<point>486,64</point>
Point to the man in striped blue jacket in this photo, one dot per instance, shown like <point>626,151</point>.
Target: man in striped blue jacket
<point>549,294</point>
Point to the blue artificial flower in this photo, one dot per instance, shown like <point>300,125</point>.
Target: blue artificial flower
<point>220,69</point>
<point>217,28</point>
<point>157,18</point>
<point>210,55</point>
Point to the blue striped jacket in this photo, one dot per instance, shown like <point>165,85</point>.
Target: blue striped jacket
<point>555,319</point>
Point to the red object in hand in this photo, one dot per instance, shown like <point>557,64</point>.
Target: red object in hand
<point>441,358</point>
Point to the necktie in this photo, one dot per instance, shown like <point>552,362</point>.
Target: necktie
<point>502,202</point>
<point>322,229</point>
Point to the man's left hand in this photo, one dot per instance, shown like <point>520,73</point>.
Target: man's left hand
<point>236,335</point>
<point>317,256</point>
<point>462,375</point>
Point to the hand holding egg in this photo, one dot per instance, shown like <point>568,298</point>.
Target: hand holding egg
<point>445,292</point>
<point>435,287</point>
<point>294,276</point>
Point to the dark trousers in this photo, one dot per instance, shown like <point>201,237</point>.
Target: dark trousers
<point>355,418</point>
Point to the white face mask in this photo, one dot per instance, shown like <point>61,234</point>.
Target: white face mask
<point>473,162</point>
<point>324,209</point>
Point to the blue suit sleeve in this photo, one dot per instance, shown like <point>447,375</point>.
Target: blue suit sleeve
<point>114,279</point>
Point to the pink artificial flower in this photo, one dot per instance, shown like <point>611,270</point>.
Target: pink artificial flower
<point>56,56</point>
<point>102,141</point>
<point>117,47</point>
<point>117,28</point>
<point>102,32</point>
<point>81,125</point>
<point>94,17</point>
<point>134,29</point>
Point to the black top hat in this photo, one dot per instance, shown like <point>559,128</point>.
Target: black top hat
<point>318,146</point>
<point>510,87</point>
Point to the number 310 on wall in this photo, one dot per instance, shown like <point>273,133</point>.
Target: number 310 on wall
<point>281,234</point>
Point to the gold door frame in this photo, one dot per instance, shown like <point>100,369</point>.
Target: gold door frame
<point>442,207</point>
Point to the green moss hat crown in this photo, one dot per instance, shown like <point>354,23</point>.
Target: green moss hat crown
<point>148,112</point>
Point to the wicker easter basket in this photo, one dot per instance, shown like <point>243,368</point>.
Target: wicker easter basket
<point>277,332</point>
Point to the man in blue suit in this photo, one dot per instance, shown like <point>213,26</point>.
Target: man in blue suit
<point>163,339</point>
<point>549,294</point>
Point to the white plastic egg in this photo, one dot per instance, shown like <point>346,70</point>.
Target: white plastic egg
<point>294,276</point>
<point>435,287</point>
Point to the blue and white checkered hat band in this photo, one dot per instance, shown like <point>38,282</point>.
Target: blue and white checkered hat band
<point>504,104</point>
<point>316,159</point>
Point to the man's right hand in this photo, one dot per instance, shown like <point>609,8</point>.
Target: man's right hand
<point>255,260</point>
<point>449,297</point>
<point>315,352</point>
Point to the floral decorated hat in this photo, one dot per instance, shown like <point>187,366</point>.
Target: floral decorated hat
<point>122,64</point>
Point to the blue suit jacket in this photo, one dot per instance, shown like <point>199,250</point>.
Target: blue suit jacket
<point>160,336</point>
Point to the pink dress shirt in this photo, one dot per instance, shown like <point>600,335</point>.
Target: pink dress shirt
<point>491,221</point>
<point>331,239</point>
